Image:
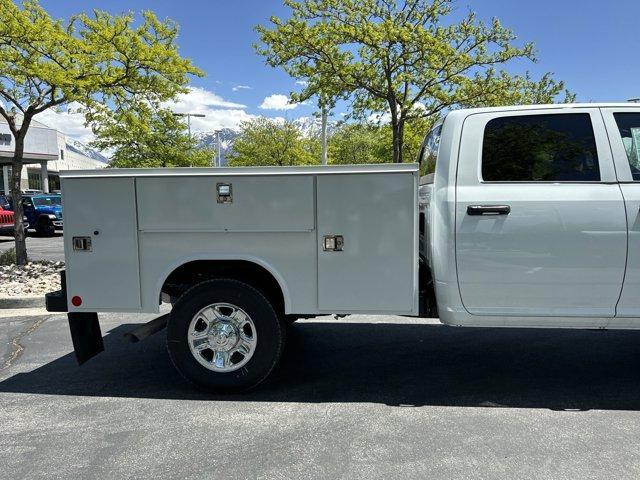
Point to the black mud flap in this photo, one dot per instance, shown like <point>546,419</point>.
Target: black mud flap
<point>85,334</point>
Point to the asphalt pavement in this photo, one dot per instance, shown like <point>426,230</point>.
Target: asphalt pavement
<point>365,398</point>
<point>39,248</point>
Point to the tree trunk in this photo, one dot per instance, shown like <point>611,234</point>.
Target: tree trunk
<point>397,129</point>
<point>16,200</point>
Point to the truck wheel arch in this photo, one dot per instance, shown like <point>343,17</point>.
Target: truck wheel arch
<point>252,270</point>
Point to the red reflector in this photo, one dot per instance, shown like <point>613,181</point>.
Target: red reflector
<point>76,301</point>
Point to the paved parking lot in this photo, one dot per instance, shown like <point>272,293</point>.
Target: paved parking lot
<point>368,397</point>
<point>39,248</point>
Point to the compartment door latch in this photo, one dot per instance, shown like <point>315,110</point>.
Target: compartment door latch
<point>333,243</point>
<point>81,244</point>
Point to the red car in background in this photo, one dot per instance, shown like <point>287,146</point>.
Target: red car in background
<point>6,221</point>
<point>6,218</point>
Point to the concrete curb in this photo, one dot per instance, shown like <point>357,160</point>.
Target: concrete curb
<point>22,302</point>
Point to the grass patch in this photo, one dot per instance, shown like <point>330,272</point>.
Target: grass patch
<point>8,257</point>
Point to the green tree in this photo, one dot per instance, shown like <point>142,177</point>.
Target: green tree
<point>371,143</point>
<point>264,142</point>
<point>146,137</point>
<point>96,60</point>
<point>406,57</point>
<point>353,143</point>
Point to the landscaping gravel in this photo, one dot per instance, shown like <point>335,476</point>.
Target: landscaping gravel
<point>33,279</point>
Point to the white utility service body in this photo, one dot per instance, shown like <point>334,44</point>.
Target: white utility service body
<point>151,222</point>
<point>530,218</point>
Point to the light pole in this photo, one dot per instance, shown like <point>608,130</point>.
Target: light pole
<point>218,145</point>
<point>216,158</point>
<point>189,115</point>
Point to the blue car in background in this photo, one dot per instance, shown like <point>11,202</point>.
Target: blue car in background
<point>43,212</point>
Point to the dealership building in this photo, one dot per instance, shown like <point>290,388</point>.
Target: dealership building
<point>46,152</point>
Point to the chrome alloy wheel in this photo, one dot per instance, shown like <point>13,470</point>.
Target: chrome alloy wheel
<point>222,337</point>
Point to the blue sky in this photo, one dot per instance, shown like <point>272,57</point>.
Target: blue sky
<point>591,45</point>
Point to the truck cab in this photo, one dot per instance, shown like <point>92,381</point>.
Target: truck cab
<point>532,216</point>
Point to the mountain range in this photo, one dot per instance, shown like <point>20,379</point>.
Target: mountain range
<point>79,147</point>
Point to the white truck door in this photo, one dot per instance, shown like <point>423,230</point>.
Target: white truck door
<point>375,270</point>
<point>104,272</point>
<point>540,220</point>
<point>623,126</point>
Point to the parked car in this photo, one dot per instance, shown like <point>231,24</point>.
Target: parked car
<point>6,218</point>
<point>43,212</point>
<point>4,202</point>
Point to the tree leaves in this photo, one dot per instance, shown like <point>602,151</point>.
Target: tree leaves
<point>395,54</point>
<point>267,142</point>
<point>145,137</point>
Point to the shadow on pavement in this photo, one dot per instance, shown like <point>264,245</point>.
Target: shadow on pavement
<point>394,364</point>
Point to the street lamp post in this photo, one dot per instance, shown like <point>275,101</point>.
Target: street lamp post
<point>218,145</point>
<point>189,115</point>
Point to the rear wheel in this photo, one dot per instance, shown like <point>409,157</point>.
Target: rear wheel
<point>224,336</point>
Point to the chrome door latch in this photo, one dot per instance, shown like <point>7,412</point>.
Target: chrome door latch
<point>224,192</point>
<point>333,243</point>
<point>82,244</point>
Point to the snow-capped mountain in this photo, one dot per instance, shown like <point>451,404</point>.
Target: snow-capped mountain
<point>209,140</point>
<point>79,147</point>
<point>312,126</point>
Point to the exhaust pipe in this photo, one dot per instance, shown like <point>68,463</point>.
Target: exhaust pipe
<point>143,331</point>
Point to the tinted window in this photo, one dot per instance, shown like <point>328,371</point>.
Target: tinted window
<point>47,201</point>
<point>629,126</point>
<point>543,148</point>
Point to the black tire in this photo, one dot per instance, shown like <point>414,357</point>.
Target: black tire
<point>45,228</point>
<point>269,328</point>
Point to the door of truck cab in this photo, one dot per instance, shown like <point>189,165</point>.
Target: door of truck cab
<point>540,219</point>
<point>623,127</point>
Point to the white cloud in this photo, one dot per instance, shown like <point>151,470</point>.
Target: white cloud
<point>218,112</point>
<point>303,83</point>
<point>68,121</point>
<point>197,99</point>
<point>241,87</point>
<point>278,101</point>
<point>379,118</point>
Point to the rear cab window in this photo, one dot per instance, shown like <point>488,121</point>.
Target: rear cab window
<point>540,148</point>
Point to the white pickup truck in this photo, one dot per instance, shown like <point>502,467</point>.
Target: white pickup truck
<point>529,218</point>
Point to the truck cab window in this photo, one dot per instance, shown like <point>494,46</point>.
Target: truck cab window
<point>629,127</point>
<point>540,148</point>
<point>429,153</point>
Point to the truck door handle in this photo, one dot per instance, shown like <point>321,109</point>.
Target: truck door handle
<point>488,210</point>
